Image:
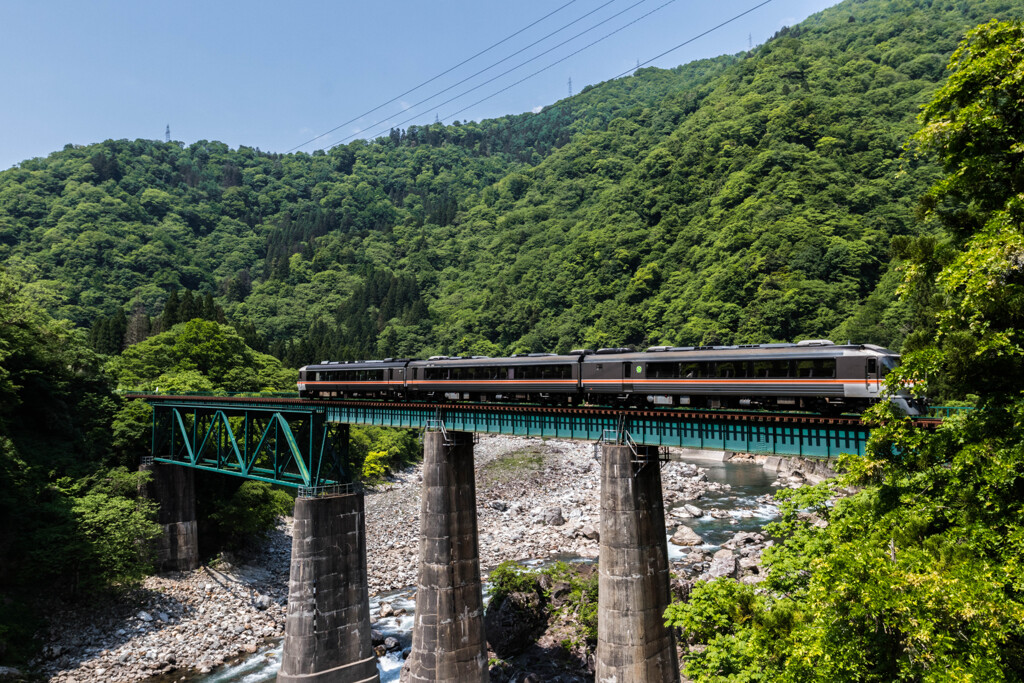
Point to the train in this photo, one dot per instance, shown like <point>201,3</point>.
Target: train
<point>812,375</point>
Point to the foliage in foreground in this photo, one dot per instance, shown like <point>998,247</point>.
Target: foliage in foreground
<point>919,575</point>
<point>70,519</point>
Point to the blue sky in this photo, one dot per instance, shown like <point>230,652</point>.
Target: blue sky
<point>273,75</point>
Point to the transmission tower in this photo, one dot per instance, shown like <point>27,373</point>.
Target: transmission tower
<point>570,86</point>
<point>167,133</point>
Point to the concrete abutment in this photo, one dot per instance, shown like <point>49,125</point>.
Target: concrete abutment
<point>633,643</point>
<point>448,643</point>
<point>173,488</point>
<point>327,634</point>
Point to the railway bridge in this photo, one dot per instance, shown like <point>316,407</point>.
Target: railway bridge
<point>303,444</point>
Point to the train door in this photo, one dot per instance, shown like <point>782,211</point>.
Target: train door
<point>871,378</point>
<point>627,377</point>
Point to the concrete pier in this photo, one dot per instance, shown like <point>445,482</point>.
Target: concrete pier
<point>174,490</point>
<point>633,644</point>
<point>327,635</point>
<point>448,643</point>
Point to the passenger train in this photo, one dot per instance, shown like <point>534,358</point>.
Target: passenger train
<point>814,375</point>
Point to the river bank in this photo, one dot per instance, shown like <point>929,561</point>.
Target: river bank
<point>537,501</point>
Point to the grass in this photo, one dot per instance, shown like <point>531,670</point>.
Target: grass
<point>513,465</point>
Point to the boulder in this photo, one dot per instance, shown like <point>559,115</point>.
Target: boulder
<point>590,532</point>
<point>693,510</point>
<point>723,563</point>
<point>686,536</point>
<point>559,592</point>
<point>512,624</point>
<point>553,516</point>
<point>743,538</point>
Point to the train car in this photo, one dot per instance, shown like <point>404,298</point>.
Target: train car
<point>381,379</point>
<point>533,378</point>
<point>812,375</point>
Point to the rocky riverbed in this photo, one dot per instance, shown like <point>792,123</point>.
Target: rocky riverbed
<point>537,500</point>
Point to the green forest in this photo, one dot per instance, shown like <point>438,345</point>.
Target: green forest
<point>857,177</point>
<point>748,198</point>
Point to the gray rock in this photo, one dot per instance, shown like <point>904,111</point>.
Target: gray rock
<point>145,616</point>
<point>693,510</point>
<point>590,532</point>
<point>686,536</point>
<point>722,564</point>
<point>385,610</point>
<point>680,513</point>
<point>742,539</point>
<point>499,505</point>
<point>513,624</point>
<point>553,516</point>
<point>391,644</point>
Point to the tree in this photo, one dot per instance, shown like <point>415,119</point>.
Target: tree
<point>975,126</point>
<point>918,575</point>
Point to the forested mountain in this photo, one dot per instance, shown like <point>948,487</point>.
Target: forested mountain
<point>743,199</point>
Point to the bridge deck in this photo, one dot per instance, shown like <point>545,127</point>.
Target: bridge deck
<point>205,432</point>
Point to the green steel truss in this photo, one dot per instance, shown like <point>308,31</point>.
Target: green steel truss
<point>302,443</point>
<point>776,434</point>
<point>293,446</point>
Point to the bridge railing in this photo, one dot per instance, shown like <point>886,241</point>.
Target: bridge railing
<point>947,411</point>
<point>135,393</point>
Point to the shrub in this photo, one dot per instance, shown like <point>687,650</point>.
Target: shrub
<point>250,513</point>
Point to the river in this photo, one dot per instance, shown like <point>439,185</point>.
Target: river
<point>748,483</point>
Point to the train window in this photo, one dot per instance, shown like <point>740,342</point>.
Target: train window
<point>554,371</point>
<point>821,367</point>
<point>761,369</point>
<point>696,370</point>
<point>889,363</point>
<point>662,370</point>
<point>872,366</point>
<point>736,369</point>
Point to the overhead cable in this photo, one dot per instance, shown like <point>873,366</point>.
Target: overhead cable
<point>443,73</point>
<point>624,73</point>
<point>518,66</point>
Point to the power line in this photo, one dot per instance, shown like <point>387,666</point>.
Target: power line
<point>699,36</point>
<point>624,73</point>
<point>521,64</point>
<point>539,71</point>
<point>434,78</point>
